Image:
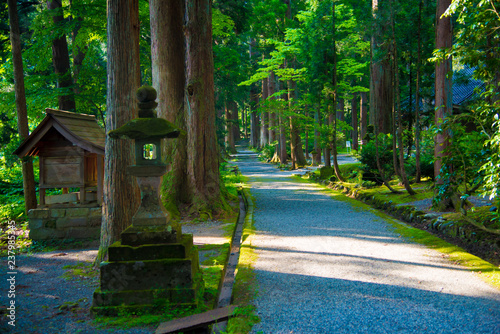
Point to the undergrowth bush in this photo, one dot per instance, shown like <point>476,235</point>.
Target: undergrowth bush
<point>367,157</point>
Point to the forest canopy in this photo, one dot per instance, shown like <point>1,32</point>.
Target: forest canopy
<point>300,80</point>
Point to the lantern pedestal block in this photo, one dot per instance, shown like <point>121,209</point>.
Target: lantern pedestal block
<point>149,278</point>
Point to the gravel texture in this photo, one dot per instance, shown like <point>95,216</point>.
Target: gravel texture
<point>327,267</point>
<point>42,291</point>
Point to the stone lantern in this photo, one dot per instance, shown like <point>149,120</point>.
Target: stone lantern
<point>153,264</point>
<point>147,132</point>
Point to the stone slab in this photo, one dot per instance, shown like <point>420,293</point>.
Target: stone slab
<point>38,213</point>
<point>143,235</point>
<point>144,297</point>
<point>71,222</point>
<point>119,252</point>
<point>143,275</point>
<point>77,212</point>
<point>64,198</point>
<point>46,233</point>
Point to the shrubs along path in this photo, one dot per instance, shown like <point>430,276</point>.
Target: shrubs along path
<point>325,266</point>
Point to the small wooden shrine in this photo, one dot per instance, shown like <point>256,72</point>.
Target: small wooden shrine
<point>70,147</point>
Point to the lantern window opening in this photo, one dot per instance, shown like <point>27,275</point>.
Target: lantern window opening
<point>149,151</point>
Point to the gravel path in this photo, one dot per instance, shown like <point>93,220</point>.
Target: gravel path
<point>326,267</point>
<point>47,302</point>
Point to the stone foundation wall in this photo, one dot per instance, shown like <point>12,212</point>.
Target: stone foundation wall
<point>65,223</point>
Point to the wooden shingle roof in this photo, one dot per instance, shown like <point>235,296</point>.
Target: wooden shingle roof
<point>80,129</point>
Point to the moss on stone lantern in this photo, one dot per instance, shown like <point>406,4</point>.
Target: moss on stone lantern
<point>147,132</point>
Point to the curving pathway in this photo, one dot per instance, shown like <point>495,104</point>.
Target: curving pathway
<point>327,267</point>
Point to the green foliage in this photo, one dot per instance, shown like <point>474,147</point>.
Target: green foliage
<point>367,156</point>
<point>267,152</point>
<point>461,165</point>
<point>426,157</point>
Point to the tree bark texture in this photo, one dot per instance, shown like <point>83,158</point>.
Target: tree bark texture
<point>22,110</point>
<point>254,118</point>
<point>121,193</point>
<point>168,61</point>
<point>316,157</point>
<point>79,53</point>
<point>354,121</point>
<point>336,168</point>
<point>264,117</point>
<point>443,83</point>
<point>202,153</point>
<point>296,151</point>
<point>418,173</point>
<point>363,116</point>
<point>381,93</point>
<point>230,109</point>
<point>60,60</point>
<point>271,89</point>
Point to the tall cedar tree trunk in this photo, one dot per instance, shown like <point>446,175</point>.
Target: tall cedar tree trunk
<point>121,193</point>
<point>264,116</point>
<point>22,110</point>
<point>60,59</point>
<point>202,148</point>
<point>381,93</point>
<point>282,135</point>
<point>254,118</point>
<point>354,121</point>
<point>443,92</point>
<point>271,89</point>
<point>363,117</point>
<point>297,153</point>
<point>78,52</point>
<point>168,78</point>
<point>334,99</point>
<point>399,116</point>
<point>418,174</point>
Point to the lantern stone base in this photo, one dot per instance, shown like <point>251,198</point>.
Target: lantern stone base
<point>150,276</point>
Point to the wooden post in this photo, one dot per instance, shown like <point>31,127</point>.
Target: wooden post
<point>82,177</point>
<point>100,174</point>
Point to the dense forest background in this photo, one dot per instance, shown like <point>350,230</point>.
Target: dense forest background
<point>412,86</point>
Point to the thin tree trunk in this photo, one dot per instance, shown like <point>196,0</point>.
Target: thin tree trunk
<point>254,118</point>
<point>168,77</point>
<point>264,116</point>
<point>327,150</point>
<point>307,136</point>
<point>443,92</point>
<point>271,88</point>
<point>235,121</point>
<point>121,193</point>
<point>363,115</point>
<point>230,139</point>
<point>317,138</point>
<point>399,117</point>
<point>203,154</point>
<point>417,95</point>
<point>22,110</point>
<point>297,153</point>
<point>334,104</point>
<point>60,60</point>
<point>354,123</point>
